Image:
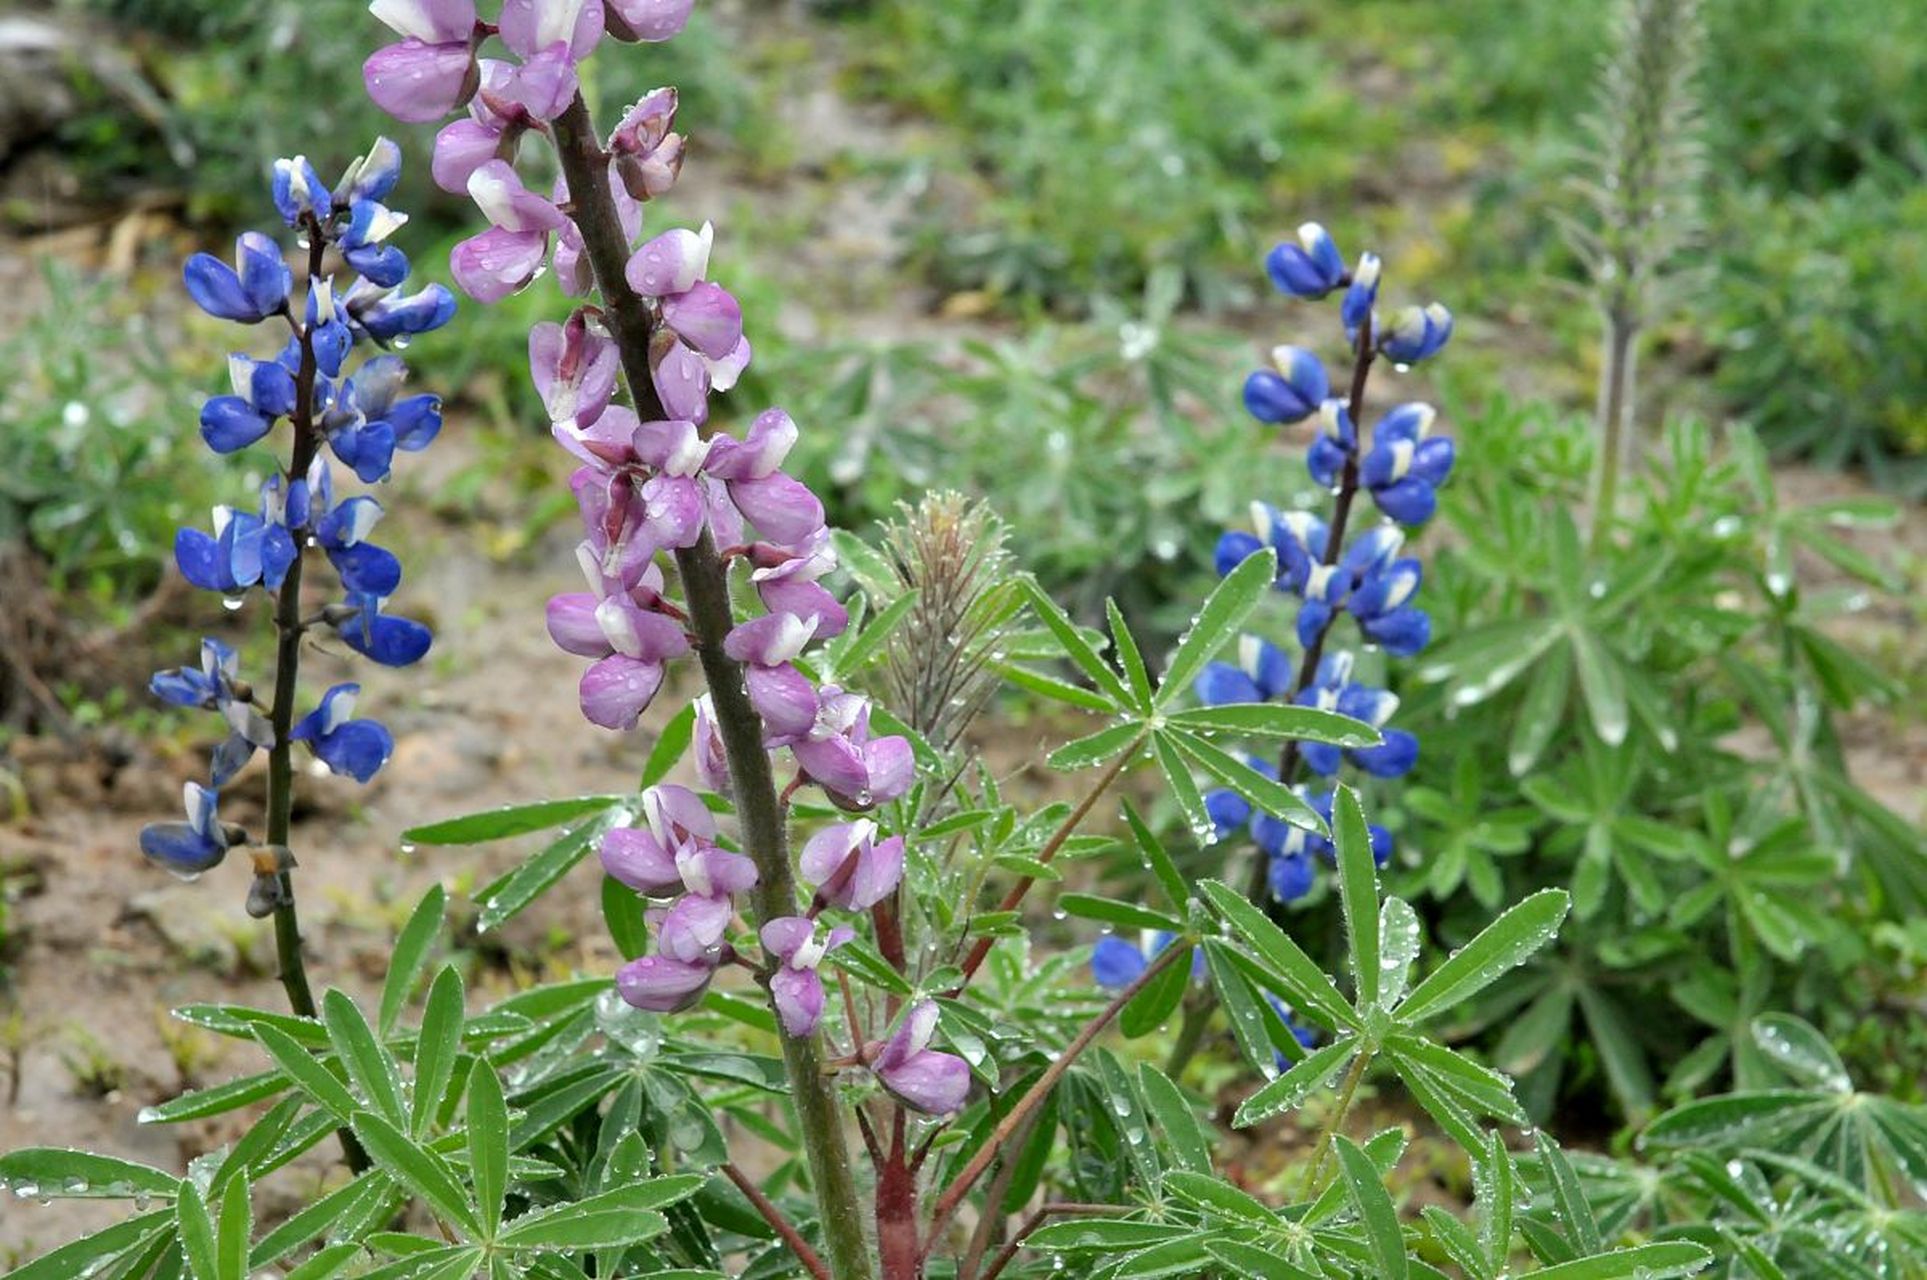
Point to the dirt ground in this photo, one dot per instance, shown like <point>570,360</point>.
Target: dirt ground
<point>108,944</point>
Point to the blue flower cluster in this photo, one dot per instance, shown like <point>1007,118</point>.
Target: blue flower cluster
<point>361,416</point>
<point>1367,579</point>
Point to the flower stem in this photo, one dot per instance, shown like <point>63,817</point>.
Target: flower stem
<point>1197,1016</point>
<point>1045,1213</point>
<point>1365,351</point>
<point>987,1151</point>
<point>1615,414</point>
<point>778,1223</point>
<point>287,668</point>
<point>706,592</point>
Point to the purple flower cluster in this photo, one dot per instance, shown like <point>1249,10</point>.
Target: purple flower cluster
<point>360,415</point>
<point>649,488</point>
<point>1367,579</point>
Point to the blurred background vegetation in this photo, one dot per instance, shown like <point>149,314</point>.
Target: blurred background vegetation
<point>1012,247</point>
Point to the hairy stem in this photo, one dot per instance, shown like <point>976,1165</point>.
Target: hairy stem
<point>287,670</point>
<point>993,1214</point>
<point>706,591</point>
<point>782,1226</point>
<point>1615,416</point>
<point>1065,830</point>
<point>953,1195</point>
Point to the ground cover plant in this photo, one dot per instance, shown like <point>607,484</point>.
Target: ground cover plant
<point>1468,877</point>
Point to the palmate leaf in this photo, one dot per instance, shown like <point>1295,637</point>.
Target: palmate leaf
<point>1277,720</point>
<point>1267,795</point>
<point>1376,1212</point>
<point>58,1173</point>
<point>1660,1261</point>
<point>1358,894</point>
<point>1314,1072</point>
<point>509,820</point>
<point>410,956</point>
<point>509,894</point>
<point>1304,984</point>
<point>418,1169</point>
<point>1075,647</point>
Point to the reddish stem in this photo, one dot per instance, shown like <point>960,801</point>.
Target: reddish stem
<point>781,1225</point>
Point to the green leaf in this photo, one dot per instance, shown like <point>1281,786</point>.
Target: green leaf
<point>1398,942</point>
<point>1801,1052</point>
<point>1568,1198</point>
<point>1499,948</point>
<point>1176,891</point>
<point>1277,720</point>
<point>307,1073</point>
<point>510,894</point>
<point>488,1142</point>
<point>1176,1122</point>
<point>1103,1234</point>
<point>1270,797</point>
<point>327,1263</point>
<point>95,1250</point>
<point>670,745</point>
<point>1660,1261</point>
<point>237,1224</point>
<point>1241,1005</point>
<point>622,911</point>
<point>1306,987</point>
<point>1310,1074</point>
<point>436,1048</point>
<point>1603,686</point>
<point>1259,1264</point>
<point>1729,1118</point>
<point>1056,690</point>
<point>626,1215</point>
<point>1128,656</point>
<point>1097,747</point>
<point>418,1169</point>
<point>195,1227</point>
<point>1493,1183</point>
<point>1358,893</point>
<point>1376,1213</point>
<point>1542,712</point>
<point>1480,1088</point>
<point>57,1173</point>
<point>410,955</point>
<point>509,820</point>
<point>1075,647</point>
<point>1218,1197</point>
<point>1154,1004</point>
<point>217,1100</point>
<point>366,1059</point>
<point>1184,789</point>
<point>1111,911</point>
<point>1223,612</point>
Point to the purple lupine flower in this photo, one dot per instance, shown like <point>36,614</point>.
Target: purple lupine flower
<point>431,71</point>
<point>648,156</point>
<point>852,869</point>
<point>921,1078</point>
<point>796,986</point>
<point>574,366</point>
<point>528,27</point>
<point>660,984</point>
<point>644,858</point>
<point>629,642</point>
<point>352,748</point>
<point>855,770</point>
<point>646,20</point>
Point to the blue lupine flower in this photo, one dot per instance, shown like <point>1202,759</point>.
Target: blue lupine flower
<point>1117,962</point>
<point>263,391</point>
<point>391,641</point>
<point>366,423</point>
<point>1291,391</point>
<point>188,848</point>
<point>1361,297</point>
<point>365,568</point>
<point>1299,538</point>
<point>243,550</point>
<point>1305,1034</point>
<point>1309,269</point>
<point>1381,605</point>
<point>255,288</point>
<point>1263,673</point>
<point>1336,443</point>
<point>387,316</point>
<point>369,224</point>
<point>328,333</point>
<point>1416,333</point>
<point>1406,464</point>
<point>215,688</point>
<point>1332,690</point>
<point>298,192</point>
<point>370,177</point>
<point>354,748</point>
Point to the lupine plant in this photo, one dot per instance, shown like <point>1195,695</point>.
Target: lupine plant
<point>844,1061</point>
<point>358,414</point>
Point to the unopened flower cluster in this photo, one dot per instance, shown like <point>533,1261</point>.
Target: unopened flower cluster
<point>646,489</point>
<point>1368,580</point>
<point>363,417</point>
